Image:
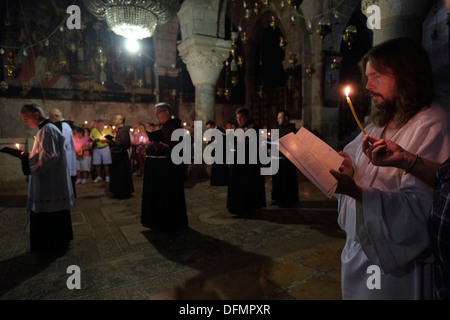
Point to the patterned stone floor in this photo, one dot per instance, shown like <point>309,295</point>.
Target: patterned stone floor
<point>280,254</point>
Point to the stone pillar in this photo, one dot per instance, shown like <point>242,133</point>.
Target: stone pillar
<point>313,53</point>
<point>399,18</point>
<point>203,50</point>
<point>163,71</point>
<point>165,44</point>
<point>204,57</point>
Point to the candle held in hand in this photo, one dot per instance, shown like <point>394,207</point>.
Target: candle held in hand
<point>347,91</point>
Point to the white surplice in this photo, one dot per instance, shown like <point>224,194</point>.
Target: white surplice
<point>386,255</point>
<point>50,186</point>
<point>71,156</point>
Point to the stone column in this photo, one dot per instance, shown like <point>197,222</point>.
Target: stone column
<point>204,57</point>
<point>163,71</point>
<point>399,18</point>
<point>165,44</point>
<point>314,45</point>
<point>203,50</point>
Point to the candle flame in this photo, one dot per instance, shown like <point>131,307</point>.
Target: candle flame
<point>17,145</point>
<point>347,91</point>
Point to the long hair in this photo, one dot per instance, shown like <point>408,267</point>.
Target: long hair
<point>409,64</point>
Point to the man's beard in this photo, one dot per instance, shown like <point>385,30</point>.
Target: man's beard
<point>386,110</point>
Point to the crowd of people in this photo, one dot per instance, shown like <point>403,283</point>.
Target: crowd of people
<point>394,208</point>
<point>94,144</point>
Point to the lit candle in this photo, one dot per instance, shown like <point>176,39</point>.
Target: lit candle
<point>347,91</point>
<point>85,122</point>
<point>17,146</point>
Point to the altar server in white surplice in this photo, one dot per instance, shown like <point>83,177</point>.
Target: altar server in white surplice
<point>50,193</point>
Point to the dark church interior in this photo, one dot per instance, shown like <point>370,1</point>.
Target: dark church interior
<point>206,59</point>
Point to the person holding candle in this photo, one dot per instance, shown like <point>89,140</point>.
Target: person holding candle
<point>140,144</point>
<point>83,146</point>
<point>101,153</point>
<point>163,206</point>
<point>246,187</point>
<point>384,211</point>
<point>285,182</point>
<point>50,192</point>
<point>121,184</point>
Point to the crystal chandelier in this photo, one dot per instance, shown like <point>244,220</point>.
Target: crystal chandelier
<point>133,19</point>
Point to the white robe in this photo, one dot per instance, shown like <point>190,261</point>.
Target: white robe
<point>387,232</point>
<point>50,186</point>
<point>71,156</point>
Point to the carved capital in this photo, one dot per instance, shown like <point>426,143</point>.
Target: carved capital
<point>204,57</point>
<point>367,3</point>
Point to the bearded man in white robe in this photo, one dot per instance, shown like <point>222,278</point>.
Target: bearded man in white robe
<point>384,210</point>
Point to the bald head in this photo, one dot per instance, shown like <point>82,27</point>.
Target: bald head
<point>55,115</point>
<point>119,119</point>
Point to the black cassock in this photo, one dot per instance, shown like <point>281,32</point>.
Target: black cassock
<point>285,181</point>
<point>219,171</point>
<point>121,183</point>
<point>163,199</point>
<point>246,186</point>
